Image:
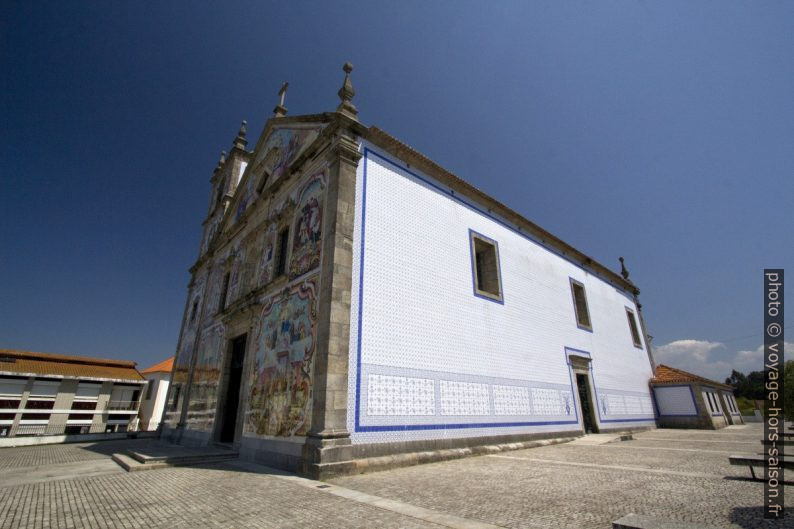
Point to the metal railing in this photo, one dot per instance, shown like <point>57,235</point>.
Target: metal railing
<point>123,405</point>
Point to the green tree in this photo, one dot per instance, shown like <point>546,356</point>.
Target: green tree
<point>750,386</point>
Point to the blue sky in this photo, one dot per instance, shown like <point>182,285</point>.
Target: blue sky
<point>660,131</point>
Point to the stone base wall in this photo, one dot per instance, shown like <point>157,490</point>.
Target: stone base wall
<point>284,455</point>
<point>696,422</point>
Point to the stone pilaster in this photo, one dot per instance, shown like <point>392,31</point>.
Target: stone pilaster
<point>328,450</point>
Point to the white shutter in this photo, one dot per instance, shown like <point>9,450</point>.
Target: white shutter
<point>87,391</point>
<point>45,388</point>
<point>12,387</point>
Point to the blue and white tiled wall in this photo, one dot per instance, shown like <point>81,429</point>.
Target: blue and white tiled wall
<point>428,359</point>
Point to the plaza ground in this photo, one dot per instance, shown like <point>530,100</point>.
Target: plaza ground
<point>680,475</point>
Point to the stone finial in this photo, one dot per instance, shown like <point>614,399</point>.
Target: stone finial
<point>280,111</point>
<point>240,142</point>
<point>221,160</point>
<point>346,94</point>
<point>623,271</point>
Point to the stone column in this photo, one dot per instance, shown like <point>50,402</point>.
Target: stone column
<point>328,450</point>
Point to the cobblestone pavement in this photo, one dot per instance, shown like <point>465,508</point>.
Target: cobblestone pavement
<point>679,475</point>
<point>566,486</point>
<point>56,454</point>
<point>222,496</point>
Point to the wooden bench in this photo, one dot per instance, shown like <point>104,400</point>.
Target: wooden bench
<point>758,461</point>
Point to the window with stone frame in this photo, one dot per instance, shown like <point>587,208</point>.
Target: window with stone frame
<point>485,267</point>
<point>253,251</point>
<point>282,251</point>
<point>635,333</point>
<point>224,291</point>
<point>580,307</point>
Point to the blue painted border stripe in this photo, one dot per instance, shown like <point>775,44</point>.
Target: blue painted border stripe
<point>361,290</point>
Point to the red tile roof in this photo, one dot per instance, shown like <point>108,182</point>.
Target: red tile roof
<point>668,375</point>
<point>166,366</point>
<point>32,363</point>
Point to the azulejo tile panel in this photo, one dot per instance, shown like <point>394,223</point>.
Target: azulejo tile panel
<point>464,398</point>
<point>403,396</point>
<point>307,230</point>
<point>279,400</point>
<point>206,377</point>
<point>511,400</point>
<point>406,398</point>
<point>615,404</point>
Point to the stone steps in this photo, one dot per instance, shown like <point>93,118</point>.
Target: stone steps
<point>136,460</point>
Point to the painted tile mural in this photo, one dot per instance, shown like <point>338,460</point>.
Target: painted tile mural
<point>307,232</point>
<point>235,274</point>
<point>279,151</point>
<point>179,379</point>
<point>213,292</point>
<point>279,402</point>
<point>183,356</point>
<point>287,144</point>
<point>248,195</point>
<point>206,377</point>
<point>265,272</point>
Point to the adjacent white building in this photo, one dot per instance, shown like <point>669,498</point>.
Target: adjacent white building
<point>686,400</point>
<point>155,395</point>
<point>58,396</point>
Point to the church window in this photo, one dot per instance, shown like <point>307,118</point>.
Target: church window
<point>635,334</point>
<point>485,267</point>
<point>224,292</point>
<point>281,257</point>
<point>580,305</point>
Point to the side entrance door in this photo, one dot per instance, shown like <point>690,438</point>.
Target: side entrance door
<point>586,403</point>
<point>229,414</point>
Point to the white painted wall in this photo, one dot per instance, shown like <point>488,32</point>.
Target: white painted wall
<point>675,400</point>
<point>152,409</point>
<point>436,360</point>
<point>713,404</point>
<point>733,406</point>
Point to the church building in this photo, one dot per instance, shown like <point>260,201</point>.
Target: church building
<point>353,300</point>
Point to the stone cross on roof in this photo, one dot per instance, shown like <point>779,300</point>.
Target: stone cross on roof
<point>281,110</point>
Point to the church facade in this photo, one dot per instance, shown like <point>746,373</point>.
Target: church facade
<point>353,300</point>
